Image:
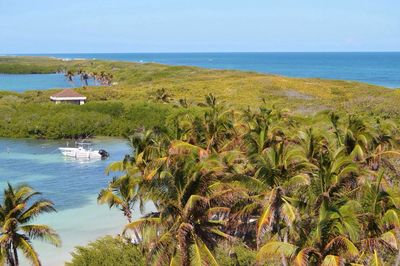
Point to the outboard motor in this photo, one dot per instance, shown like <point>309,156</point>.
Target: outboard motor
<point>104,154</point>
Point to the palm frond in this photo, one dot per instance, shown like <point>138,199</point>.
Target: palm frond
<point>344,245</point>
<point>42,232</point>
<point>303,256</point>
<point>332,260</point>
<point>275,249</point>
<point>29,251</point>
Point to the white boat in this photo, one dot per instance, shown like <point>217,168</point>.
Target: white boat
<point>83,150</point>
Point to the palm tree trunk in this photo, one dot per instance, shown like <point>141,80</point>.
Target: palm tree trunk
<point>10,256</point>
<point>184,252</point>
<point>183,239</point>
<point>283,258</point>
<point>128,214</point>
<point>137,236</point>
<point>16,262</point>
<point>397,259</point>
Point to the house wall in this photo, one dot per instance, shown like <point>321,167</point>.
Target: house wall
<point>78,102</point>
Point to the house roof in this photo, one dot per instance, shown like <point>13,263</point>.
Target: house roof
<point>68,94</point>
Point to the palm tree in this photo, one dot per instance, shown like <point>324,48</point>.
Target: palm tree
<point>122,193</point>
<point>331,233</point>
<point>279,163</point>
<point>380,218</point>
<point>297,194</point>
<point>358,136</point>
<point>162,96</point>
<point>282,169</point>
<point>94,76</point>
<point>211,101</point>
<point>85,77</point>
<point>313,143</point>
<point>298,256</point>
<point>17,210</point>
<point>186,223</point>
<point>183,102</point>
<point>218,124</point>
<point>146,145</point>
<point>108,79</point>
<point>69,75</point>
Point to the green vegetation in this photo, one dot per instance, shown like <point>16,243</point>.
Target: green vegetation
<point>150,94</point>
<point>18,208</point>
<point>107,251</point>
<point>245,187</point>
<point>30,65</point>
<point>233,184</point>
<point>48,120</point>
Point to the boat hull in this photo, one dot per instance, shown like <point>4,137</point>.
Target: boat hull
<point>80,153</point>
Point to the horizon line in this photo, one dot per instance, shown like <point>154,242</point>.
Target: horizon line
<point>199,52</point>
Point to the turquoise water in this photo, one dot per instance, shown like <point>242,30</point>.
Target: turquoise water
<point>24,82</point>
<point>375,68</point>
<point>71,184</point>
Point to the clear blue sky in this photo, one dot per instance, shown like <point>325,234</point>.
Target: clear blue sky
<point>51,26</point>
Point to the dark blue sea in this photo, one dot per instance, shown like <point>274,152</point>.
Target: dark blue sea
<point>374,68</point>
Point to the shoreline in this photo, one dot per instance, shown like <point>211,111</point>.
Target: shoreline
<point>98,221</point>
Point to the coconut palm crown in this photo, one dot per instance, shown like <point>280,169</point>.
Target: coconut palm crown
<point>18,209</point>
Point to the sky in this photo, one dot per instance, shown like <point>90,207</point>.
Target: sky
<point>84,26</point>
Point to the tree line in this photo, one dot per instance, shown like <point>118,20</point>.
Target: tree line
<point>99,78</point>
<point>292,193</point>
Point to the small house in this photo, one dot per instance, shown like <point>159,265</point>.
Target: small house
<point>68,96</point>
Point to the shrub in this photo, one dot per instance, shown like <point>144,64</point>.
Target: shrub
<point>111,108</point>
<point>107,251</point>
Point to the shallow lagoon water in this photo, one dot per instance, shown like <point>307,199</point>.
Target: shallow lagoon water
<point>71,184</point>
<point>24,82</point>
